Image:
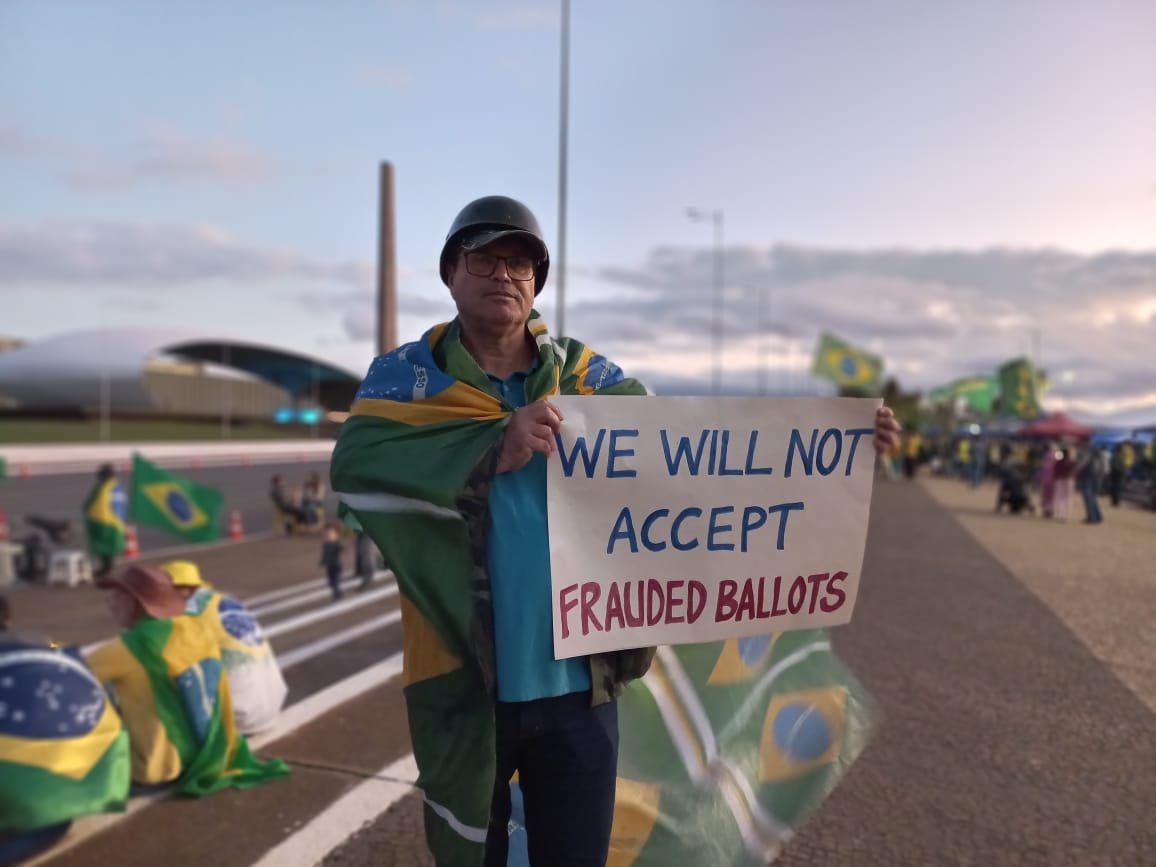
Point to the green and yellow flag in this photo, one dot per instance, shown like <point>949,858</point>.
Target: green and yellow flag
<point>845,365</point>
<point>174,503</point>
<point>189,686</point>
<point>105,511</point>
<point>63,750</point>
<point>725,746</point>
<point>1017,386</point>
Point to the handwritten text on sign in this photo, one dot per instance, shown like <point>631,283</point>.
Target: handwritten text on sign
<point>676,520</point>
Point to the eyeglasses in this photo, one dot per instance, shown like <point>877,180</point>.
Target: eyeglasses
<point>483,264</point>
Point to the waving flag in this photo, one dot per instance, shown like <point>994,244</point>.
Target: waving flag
<point>845,365</point>
<point>63,750</point>
<point>174,503</point>
<point>105,510</point>
<point>725,746</point>
<point>1017,386</point>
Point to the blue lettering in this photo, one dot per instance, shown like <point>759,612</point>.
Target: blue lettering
<point>784,509</point>
<point>750,469</point>
<point>683,451</point>
<point>646,540</point>
<point>825,468</point>
<point>683,515</point>
<point>623,529</point>
<point>722,463</point>
<point>808,456</point>
<point>616,452</point>
<point>855,433</point>
<point>749,514</point>
<point>716,528</point>
<point>589,460</point>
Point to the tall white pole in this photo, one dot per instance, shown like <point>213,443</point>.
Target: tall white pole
<point>563,155</point>
<point>716,319</point>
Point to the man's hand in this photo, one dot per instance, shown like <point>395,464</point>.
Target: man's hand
<point>531,429</point>
<point>887,430</point>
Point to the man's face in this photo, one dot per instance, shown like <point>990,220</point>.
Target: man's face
<point>488,285</point>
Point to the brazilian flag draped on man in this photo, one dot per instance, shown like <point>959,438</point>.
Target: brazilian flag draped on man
<point>412,466</point>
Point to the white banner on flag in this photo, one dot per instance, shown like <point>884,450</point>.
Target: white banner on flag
<point>676,520</point>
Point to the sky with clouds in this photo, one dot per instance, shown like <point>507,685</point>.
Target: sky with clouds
<point>949,185</point>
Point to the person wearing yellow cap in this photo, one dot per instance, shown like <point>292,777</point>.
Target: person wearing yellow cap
<point>255,680</point>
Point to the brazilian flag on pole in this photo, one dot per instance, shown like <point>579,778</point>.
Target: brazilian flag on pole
<point>104,513</point>
<point>174,503</point>
<point>845,365</point>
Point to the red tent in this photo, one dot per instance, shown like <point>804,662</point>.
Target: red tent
<point>1057,425</point>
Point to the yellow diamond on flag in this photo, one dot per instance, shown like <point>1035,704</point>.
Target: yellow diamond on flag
<point>175,505</point>
<point>803,730</point>
<point>741,658</point>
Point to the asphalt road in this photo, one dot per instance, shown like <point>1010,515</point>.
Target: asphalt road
<point>245,489</point>
<point>1002,739</point>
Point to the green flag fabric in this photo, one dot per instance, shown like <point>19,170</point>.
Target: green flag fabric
<point>3,468</point>
<point>61,757</point>
<point>845,365</point>
<point>1017,386</point>
<point>413,466</point>
<point>174,503</point>
<point>105,510</point>
<point>190,689</point>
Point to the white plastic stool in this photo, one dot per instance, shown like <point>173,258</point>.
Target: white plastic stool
<point>69,567</point>
<point>8,552</point>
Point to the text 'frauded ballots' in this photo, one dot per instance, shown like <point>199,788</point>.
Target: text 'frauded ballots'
<point>676,520</point>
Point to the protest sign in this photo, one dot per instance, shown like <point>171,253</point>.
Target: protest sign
<point>678,520</point>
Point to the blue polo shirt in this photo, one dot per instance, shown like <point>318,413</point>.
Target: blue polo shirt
<point>518,557</point>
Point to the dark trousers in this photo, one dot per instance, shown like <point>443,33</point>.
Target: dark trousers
<point>1091,503</point>
<point>333,573</point>
<point>566,756</point>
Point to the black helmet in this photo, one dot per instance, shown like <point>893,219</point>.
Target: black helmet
<point>489,218</point>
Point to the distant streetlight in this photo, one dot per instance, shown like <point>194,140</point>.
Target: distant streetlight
<point>716,217</point>
<point>563,142</point>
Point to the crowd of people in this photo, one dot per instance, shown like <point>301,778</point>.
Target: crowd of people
<point>166,704</point>
<point>1044,476</point>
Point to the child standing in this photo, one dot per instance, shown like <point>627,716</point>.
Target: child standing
<point>331,559</point>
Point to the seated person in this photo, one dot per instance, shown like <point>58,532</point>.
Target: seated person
<point>313,498</point>
<point>63,750</point>
<point>165,674</point>
<point>291,513</point>
<point>1013,493</point>
<point>255,680</point>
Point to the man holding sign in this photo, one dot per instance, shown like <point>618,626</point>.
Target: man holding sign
<point>444,462</point>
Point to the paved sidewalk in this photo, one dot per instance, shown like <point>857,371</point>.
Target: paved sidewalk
<point>1003,739</point>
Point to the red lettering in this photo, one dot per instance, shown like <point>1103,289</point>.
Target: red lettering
<point>833,591</point>
<point>762,612</point>
<point>565,605</point>
<point>654,615</point>
<point>672,601</point>
<point>795,600</point>
<point>776,611</point>
<point>633,619</point>
<point>816,579</point>
<point>590,593</point>
<point>746,601</point>
<point>695,592</point>
<point>614,606</point>
<point>724,608</point>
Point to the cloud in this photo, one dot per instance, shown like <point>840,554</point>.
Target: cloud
<point>356,311</point>
<point>934,315</point>
<point>161,155</point>
<point>502,15</point>
<point>74,254</point>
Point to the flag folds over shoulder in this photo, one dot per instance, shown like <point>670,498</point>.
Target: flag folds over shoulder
<point>845,365</point>
<point>174,503</point>
<point>413,464</point>
<point>105,510</point>
<point>725,746</point>
<point>194,705</point>
<point>63,750</point>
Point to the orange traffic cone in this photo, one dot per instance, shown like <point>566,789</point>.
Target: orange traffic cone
<point>236,530</point>
<point>3,526</point>
<point>131,543</point>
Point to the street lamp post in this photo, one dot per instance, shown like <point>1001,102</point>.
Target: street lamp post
<point>717,219</point>
<point>563,168</point>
